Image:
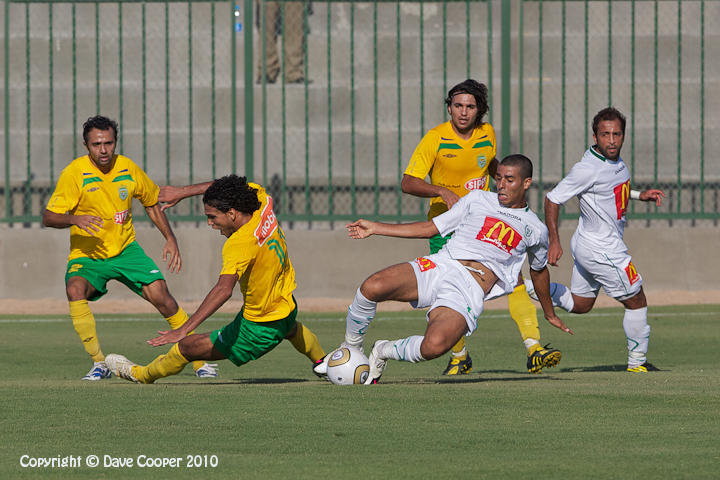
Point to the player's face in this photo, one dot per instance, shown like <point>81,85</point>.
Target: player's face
<point>511,187</point>
<point>218,220</point>
<point>609,138</point>
<point>101,148</point>
<point>463,113</point>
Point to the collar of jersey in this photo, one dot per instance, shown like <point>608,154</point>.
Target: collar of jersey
<point>594,152</point>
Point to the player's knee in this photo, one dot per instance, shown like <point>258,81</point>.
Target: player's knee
<point>373,288</point>
<point>76,290</point>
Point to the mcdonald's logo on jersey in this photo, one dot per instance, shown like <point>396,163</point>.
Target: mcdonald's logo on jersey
<point>500,234</point>
<point>424,263</point>
<point>622,195</point>
<point>268,223</point>
<point>632,274</point>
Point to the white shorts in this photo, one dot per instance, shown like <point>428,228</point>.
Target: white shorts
<point>613,271</point>
<point>444,282</point>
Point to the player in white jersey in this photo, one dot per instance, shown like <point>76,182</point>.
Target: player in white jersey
<point>493,233</point>
<point>601,181</point>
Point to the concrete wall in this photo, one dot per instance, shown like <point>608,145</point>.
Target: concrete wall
<point>330,265</point>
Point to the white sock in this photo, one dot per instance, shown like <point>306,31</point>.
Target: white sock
<point>405,349</point>
<point>530,342</point>
<point>637,332</point>
<point>561,296</point>
<point>462,353</point>
<point>360,314</point>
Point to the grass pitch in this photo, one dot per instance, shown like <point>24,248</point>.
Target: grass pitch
<point>272,418</point>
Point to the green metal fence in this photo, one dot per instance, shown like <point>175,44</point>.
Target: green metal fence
<point>180,77</point>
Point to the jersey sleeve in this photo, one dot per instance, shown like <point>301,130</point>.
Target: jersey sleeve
<point>423,157</point>
<point>449,221</point>
<point>66,195</point>
<point>537,252</point>
<point>146,190</point>
<point>579,180</point>
<point>491,136</point>
<point>237,256</point>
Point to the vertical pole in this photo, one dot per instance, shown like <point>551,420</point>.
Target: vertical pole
<point>249,114</point>
<point>505,75</point>
<point>51,116</point>
<point>6,104</point>
<point>398,78</point>
<point>144,88</point>
<point>328,29</point>
<point>234,13</point>
<point>212,90</point>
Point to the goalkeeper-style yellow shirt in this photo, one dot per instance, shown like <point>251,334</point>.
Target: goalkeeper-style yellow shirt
<point>452,162</point>
<point>83,189</point>
<point>257,254</point>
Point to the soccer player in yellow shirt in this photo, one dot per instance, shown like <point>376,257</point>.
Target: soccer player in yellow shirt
<point>93,197</point>
<point>255,256</point>
<point>459,156</point>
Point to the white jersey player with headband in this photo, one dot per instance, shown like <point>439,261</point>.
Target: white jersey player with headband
<point>601,182</point>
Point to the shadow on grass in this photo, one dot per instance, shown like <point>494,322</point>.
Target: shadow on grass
<point>606,368</point>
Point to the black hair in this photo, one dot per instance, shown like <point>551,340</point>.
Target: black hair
<point>232,191</point>
<point>608,114</point>
<point>521,161</point>
<point>101,123</point>
<point>477,90</point>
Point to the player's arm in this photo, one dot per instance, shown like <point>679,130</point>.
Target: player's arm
<point>420,188</point>
<point>216,298</point>
<point>649,195</point>
<point>364,228</point>
<point>170,195</point>
<point>541,283</point>
<point>552,213</point>
<point>89,223</point>
<point>171,251</point>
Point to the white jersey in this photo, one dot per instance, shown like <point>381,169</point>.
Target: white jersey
<point>603,188</point>
<point>497,236</point>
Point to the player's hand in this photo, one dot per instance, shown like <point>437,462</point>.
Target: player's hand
<point>555,251</point>
<point>360,229</point>
<point>165,337</point>
<point>652,195</point>
<point>169,196</point>
<point>89,223</point>
<point>555,321</point>
<point>171,255</point>
<point>449,197</point>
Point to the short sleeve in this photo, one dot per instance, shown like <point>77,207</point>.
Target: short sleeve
<point>537,252</point>
<point>236,256</point>
<point>66,195</point>
<point>146,190</point>
<point>423,157</point>
<point>579,180</point>
<point>449,221</point>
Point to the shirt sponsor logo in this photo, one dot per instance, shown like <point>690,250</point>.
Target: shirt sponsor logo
<point>424,264</point>
<point>632,274</point>
<point>498,233</point>
<point>121,217</point>
<point>476,183</point>
<point>622,194</point>
<point>268,223</point>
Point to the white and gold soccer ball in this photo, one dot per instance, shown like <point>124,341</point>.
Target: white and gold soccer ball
<point>348,366</point>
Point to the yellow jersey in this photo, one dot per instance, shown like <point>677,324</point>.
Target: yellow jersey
<point>83,189</point>
<point>257,254</point>
<point>452,162</point>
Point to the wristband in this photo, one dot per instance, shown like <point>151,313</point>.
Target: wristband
<point>635,194</point>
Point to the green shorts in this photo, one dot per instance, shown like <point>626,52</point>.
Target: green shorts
<point>437,242</point>
<point>242,340</point>
<point>131,267</point>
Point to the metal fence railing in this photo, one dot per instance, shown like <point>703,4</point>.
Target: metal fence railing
<point>323,102</point>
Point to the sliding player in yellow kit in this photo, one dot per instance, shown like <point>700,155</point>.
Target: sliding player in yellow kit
<point>254,255</point>
<point>459,156</point>
<point>93,197</point>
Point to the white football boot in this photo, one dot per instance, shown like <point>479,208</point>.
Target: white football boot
<point>377,363</point>
<point>208,370</point>
<point>99,371</point>
<point>121,366</point>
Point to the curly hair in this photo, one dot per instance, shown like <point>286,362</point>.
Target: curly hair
<point>520,161</point>
<point>477,90</point>
<point>232,191</point>
<point>101,123</point>
<point>608,114</point>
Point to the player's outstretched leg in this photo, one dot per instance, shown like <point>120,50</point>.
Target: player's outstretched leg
<point>84,323</point>
<point>404,350</point>
<point>201,367</point>
<point>637,332</point>
<point>559,293</point>
<point>460,362</point>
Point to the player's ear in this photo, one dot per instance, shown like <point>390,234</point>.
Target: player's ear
<point>527,182</point>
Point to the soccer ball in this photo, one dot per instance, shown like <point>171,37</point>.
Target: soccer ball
<point>348,366</point>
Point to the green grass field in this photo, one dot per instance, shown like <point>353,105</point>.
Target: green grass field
<point>586,418</point>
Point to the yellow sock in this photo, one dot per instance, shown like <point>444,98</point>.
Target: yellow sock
<point>176,321</point>
<point>306,342</point>
<point>163,366</point>
<point>524,313</point>
<point>84,323</point>
<point>459,347</point>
